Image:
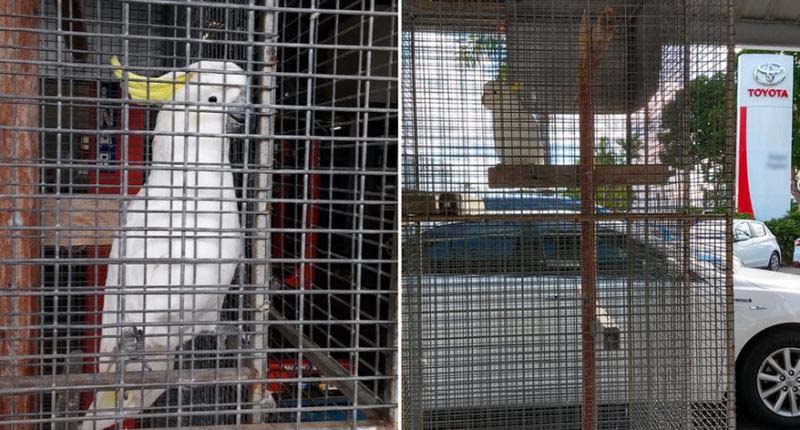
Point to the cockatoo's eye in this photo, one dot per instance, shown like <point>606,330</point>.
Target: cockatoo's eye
<point>212,99</point>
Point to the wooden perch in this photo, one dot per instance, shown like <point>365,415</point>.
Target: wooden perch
<point>420,203</point>
<point>315,425</point>
<point>80,222</point>
<point>546,176</point>
<point>160,377</point>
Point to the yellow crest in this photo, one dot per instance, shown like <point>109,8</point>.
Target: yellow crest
<point>144,88</point>
<point>106,399</point>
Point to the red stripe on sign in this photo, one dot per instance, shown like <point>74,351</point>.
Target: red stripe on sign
<point>743,202</point>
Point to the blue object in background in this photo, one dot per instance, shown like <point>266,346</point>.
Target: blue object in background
<point>318,416</point>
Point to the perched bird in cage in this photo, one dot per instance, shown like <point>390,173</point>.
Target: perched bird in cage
<point>178,244</point>
<point>519,137</point>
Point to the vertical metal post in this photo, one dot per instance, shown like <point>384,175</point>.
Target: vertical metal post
<point>684,312</point>
<point>588,230</point>
<point>730,154</point>
<point>262,242</point>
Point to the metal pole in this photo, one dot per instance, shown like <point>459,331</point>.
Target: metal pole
<point>588,247</point>
<point>262,242</point>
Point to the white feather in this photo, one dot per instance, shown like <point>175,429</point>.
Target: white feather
<point>159,225</point>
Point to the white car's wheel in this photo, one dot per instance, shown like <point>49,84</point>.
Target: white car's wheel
<point>774,262</point>
<point>768,380</point>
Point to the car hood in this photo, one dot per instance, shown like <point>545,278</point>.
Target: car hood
<point>767,280</point>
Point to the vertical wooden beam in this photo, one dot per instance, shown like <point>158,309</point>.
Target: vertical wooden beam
<point>18,206</point>
<point>591,45</point>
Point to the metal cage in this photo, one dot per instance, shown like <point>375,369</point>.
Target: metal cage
<point>204,233</point>
<point>566,252</point>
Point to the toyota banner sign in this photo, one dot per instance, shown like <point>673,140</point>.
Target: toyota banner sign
<point>764,135</point>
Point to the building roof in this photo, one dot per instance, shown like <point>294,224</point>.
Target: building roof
<point>768,24</point>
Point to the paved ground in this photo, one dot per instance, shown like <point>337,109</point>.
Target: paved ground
<point>745,424</point>
<point>790,269</point>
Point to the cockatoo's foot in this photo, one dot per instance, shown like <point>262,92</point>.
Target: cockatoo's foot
<point>230,336</point>
<point>264,406</point>
<point>131,343</point>
<point>132,340</point>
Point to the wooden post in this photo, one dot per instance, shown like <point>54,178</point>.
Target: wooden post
<point>591,44</point>
<point>18,206</point>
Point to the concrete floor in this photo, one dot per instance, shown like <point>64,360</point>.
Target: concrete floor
<point>742,423</point>
<point>790,269</point>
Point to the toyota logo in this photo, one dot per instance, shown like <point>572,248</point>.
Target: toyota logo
<point>770,74</point>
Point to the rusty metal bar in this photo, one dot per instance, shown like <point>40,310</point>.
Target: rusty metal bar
<point>131,378</point>
<point>592,42</point>
<point>322,425</point>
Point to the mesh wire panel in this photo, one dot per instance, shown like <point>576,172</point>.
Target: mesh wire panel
<point>566,248</point>
<point>210,245</point>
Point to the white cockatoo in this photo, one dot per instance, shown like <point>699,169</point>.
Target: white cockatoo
<point>519,137</point>
<point>180,236</point>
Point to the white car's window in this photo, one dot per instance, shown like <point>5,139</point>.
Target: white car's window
<point>758,229</point>
<point>741,231</point>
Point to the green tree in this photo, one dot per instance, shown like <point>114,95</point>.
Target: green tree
<point>706,120</point>
<point>477,48</point>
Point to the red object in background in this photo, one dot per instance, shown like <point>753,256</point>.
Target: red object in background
<point>107,151</point>
<point>312,218</point>
<point>281,191</point>
<point>743,201</point>
<point>287,368</point>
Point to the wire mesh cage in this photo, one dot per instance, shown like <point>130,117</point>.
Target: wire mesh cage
<point>199,208</point>
<point>566,248</point>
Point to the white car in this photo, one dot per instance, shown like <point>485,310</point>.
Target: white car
<point>767,332</point>
<point>502,329</point>
<point>755,245</point>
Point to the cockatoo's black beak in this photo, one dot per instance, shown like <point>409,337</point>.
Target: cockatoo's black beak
<point>236,116</point>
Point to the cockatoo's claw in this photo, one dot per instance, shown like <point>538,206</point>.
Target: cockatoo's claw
<point>268,402</point>
<point>132,345</point>
<point>132,340</point>
<point>228,329</point>
<point>263,407</point>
